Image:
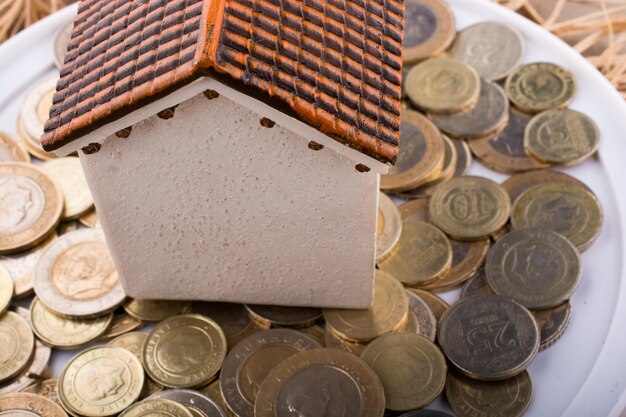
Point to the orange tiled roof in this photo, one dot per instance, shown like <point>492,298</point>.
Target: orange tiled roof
<point>334,64</point>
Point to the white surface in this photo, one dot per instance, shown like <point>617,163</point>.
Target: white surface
<point>584,374</point>
<point>233,211</point>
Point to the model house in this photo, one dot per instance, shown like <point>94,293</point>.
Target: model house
<point>233,147</point>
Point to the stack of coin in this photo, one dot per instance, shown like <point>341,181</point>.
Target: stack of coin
<point>33,115</point>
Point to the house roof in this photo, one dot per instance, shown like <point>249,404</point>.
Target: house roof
<point>333,64</point>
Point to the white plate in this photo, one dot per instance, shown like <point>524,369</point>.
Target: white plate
<point>584,374</point>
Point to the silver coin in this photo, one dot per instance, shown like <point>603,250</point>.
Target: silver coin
<point>199,404</point>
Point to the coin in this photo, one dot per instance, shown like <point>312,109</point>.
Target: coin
<point>492,48</point>
<point>184,351</point>
<point>538,268</point>
<point>21,266</point>
<point>154,310</point>
<point>428,30</point>
<point>333,341</point>
<point>422,255</point>
<point>33,115</point>
<point>60,44</point>
<point>276,316</point>
<point>6,289</point>
<point>66,227</point>
<point>31,203</point>
<point>437,305</point>
<point>411,368</point>
<point>389,311</point>
<point>516,184</point>
<point>231,317</point>
<point>421,154</point>
<point>467,258</point>
<point>463,157</point>
<point>303,382</point>
<point>561,136</point>
<point>100,381</point>
<point>488,116</point>
<point>23,404</point>
<point>46,388</point>
<point>443,85</point>
<point>133,342</point>
<point>68,173</point>
<point>90,219</point>
<point>489,337</point>
<point>11,151</point>
<point>425,413</point>
<point>540,86</point>
<point>477,285</point>
<point>76,276</point>
<point>213,391</point>
<point>157,408</point>
<point>248,364</point>
<point>122,323</point>
<point>469,208</point>
<point>504,152</point>
<point>316,332</point>
<point>65,333</point>
<point>508,398</point>
<point>34,370</point>
<point>18,344</point>
<point>561,207</point>
<point>199,404</point>
<point>388,228</point>
<point>426,320</point>
<point>415,210</point>
<point>552,324</point>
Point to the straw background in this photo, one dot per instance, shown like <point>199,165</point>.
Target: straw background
<point>595,28</point>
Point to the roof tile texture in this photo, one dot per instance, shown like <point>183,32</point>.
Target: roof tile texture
<point>335,63</point>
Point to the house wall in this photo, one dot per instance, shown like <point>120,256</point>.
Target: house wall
<point>211,205</point>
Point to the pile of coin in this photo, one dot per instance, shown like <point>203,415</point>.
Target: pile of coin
<point>513,247</point>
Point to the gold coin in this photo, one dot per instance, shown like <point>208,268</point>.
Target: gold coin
<point>133,342</point>
<point>90,219</point>
<point>492,48</point>
<point>11,151</point>
<point>463,157</point>
<point>421,154</point>
<point>66,227</point>
<point>469,398</point>
<point>68,173</point>
<point>477,285</point>
<point>17,347</point>
<point>388,228</point>
<point>467,258</point>
<point>23,404</point>
<point>45,388</point>
<point>184,351</point>
<point>33,115</point>
<point>423,254</point>
<point>64,333</point>
<point>443,85</point>
<point>31,203</point>
<point>249,363</point>
<point>122,323</point>
<point>552,324</point>
<point>429,28</point>
<point>469,208</point>
<point>198,403</point>
<point>563,136</point>
<point>213,391</point>
<point>6,289</point>
<point>538,268</point>
<point>516,184</point>
<point>278,316</point>
<point>30,144</point>
<point>76,276</point>
<point>157,408</point>
<point>22,265</point>
<point>316,332</point>
<point>424,317</point>
<point>504,151</point>
<point>101,381</point>
<point>540,86</point>
<point>415,210</point>
<point>411,368</point>
<point>60,44</point>
<point>389,311</point>
<point>333,341</point>
<point>450,166</point>
<point>561,207</point>
<point>437,305</point>
<point>304,381</point>
<point>154,310</point>
<point>231,317</point>
<point>488,116</point>
<point>34,370</point>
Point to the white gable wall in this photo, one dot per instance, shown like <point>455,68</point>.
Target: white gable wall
<point>211,205</point>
